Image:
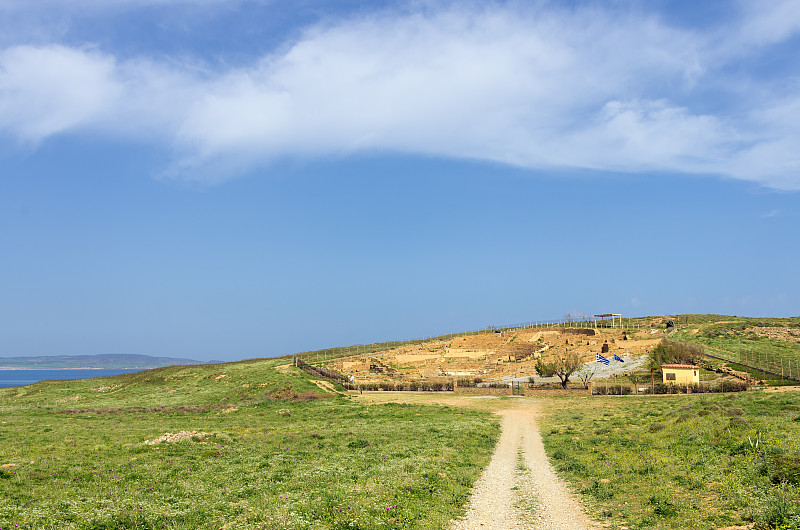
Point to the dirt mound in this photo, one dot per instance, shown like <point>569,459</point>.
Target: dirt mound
<point>326,386</point>
<point>176,437</point>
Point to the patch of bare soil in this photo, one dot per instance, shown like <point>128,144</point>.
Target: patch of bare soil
<point>327,386</point>
<point>774,389</point>
<point>176,437</point>
<point>786,334</point>
<point>283,368</point>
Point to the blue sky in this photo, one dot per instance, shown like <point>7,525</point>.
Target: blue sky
<point>230,179</point>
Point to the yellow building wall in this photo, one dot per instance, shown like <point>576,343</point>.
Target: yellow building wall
<point>681,376</point>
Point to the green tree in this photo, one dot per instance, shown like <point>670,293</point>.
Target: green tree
<point>673,352</point>
<point>562,366</point>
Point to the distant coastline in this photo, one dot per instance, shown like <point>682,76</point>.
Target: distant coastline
<point>79,368</point>
<point>93,362</point>
<point>17,377</point>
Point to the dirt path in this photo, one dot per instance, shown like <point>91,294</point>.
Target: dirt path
<point>519,489</point>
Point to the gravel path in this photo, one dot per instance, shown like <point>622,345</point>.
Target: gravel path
<point>519,489</point>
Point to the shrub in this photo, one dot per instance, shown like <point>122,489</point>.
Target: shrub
<point>672,352</point>
<point>735,412</point>
<point>779,514</point>
<point>613,390</point>
<point>685,417</point>
<point>785,469</point>
<point>599,491</point>
<point>663,505</point>
<point>738,422</point>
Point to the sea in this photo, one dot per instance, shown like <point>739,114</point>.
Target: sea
<point>28,377</point>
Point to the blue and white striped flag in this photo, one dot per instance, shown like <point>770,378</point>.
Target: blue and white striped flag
<point>618,358</point>
<point>602,359</point>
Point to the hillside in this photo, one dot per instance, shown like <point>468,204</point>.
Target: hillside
<point>266,445</point>
<point>250,381</point>
<point>497,356</point>
<point>252,444</point>
<point>768,349</point>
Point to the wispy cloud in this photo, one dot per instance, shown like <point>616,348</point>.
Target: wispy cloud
<point>535,88</point>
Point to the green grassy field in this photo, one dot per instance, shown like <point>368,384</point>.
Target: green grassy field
<point>737,339</point>
<point>698,461</point>
<point>273,454</point>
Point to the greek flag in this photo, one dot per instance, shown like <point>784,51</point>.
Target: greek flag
<point>617,358</point>
<point>602,359</point>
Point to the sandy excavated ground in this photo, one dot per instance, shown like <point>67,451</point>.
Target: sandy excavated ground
<point>497,356</point>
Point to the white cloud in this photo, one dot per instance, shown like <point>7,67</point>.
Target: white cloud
<point>539,88</point>
<point>44,91</point>
<point>770,23</point>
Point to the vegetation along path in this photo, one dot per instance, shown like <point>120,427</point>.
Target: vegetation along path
<point>519,488</point>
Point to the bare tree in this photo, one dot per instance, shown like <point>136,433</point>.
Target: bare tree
<point>636,378</point>
<point>586,375</point>
<point>569,317</point>
<point>563,366</point>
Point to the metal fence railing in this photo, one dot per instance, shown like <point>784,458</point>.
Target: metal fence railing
<point>320,356</point>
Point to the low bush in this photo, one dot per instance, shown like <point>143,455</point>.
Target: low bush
<point>785,469</point>
<point>662,504</point>
<point>612,390</point>
<point>701,388</point>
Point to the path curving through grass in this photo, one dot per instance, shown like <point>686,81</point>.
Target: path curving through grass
<point>519,489</point>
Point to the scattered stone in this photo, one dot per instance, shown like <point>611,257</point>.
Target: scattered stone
<point>176,437</point>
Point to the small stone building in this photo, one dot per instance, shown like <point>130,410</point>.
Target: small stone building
<point>680,374</point>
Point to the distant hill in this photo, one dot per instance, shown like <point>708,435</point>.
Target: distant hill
<point>94,361</point>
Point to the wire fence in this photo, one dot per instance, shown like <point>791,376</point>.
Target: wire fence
<point>762,362</point>
<point>321,356</point>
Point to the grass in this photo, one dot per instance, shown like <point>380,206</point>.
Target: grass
<point>733,339</point>
<point>274,454</point>
<point>698,461</point>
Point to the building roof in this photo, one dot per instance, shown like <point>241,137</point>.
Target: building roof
<point>692,366</point>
